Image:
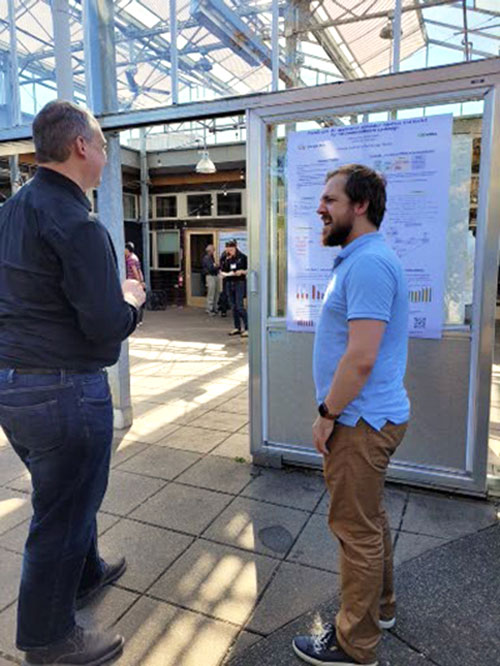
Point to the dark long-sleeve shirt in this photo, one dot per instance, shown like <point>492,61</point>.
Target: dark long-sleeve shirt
<point>61,303</point>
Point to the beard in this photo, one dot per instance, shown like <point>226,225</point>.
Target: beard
<point>336,233</point>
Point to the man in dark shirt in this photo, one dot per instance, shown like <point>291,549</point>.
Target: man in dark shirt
<point>234,267</point>
<point>63,315</point>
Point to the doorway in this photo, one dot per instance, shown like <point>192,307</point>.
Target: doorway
<point>196,242</point>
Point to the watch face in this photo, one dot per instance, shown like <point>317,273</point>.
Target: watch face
<point>323,411</point>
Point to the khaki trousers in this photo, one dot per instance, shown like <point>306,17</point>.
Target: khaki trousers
<point>355,473</point>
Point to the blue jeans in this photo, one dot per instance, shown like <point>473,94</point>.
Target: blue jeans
<point>236,294</point>
<point>61,426</point>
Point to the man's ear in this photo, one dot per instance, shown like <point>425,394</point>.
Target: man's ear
<point>361,208</point>
<point>80,146</point>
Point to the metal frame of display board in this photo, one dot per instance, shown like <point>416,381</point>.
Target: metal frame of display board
<point>270,398</point>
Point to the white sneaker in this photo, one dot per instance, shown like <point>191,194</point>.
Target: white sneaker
<point>387,624</point>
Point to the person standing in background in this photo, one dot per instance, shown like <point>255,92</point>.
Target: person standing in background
<point>234,268</point>
<point>133,271</point>
<point>63,316</point>
<point>211,272</point>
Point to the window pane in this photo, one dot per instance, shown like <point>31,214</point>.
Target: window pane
<point>129,207</point>
<point>166,206</point>
<point>168,241</point>
<point>229,203</point>
<point>199,205</point>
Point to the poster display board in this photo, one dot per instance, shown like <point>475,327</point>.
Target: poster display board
<point>415,157</point>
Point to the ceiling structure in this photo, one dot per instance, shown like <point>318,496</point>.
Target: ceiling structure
<point>225,46</point>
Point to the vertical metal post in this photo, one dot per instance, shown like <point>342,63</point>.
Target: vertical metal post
<point>146,249</point>
<point>275,45</point>
<point>396,31</point>
<point>62,49</point>
<point>174,56</point>
<point>292,42</point>
<point>102,97</point>
<point>466,32</point>
<point>13,98</point>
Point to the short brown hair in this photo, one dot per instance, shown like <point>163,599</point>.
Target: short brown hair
<point>55,128</point>
<point>364,184</point>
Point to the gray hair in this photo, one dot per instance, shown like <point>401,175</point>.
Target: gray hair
<point>57,126</point>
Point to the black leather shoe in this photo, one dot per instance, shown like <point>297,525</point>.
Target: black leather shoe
<point>111,573</point>
<point>80,648</point>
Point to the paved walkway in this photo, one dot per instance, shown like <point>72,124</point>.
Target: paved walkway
<point>221,554</point>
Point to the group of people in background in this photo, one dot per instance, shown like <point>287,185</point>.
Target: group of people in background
<point>232,270</point>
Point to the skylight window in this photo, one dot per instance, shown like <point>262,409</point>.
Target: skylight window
<point>140,12</point>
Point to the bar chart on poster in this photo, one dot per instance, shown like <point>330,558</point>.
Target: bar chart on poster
<point>414,155</point>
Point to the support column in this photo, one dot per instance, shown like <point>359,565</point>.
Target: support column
<point>174,56</point>
<point>396,31</point>
<point>146,249</point>
<point>62,49</point>
<point>12,96</point>
<point>102,97</point>
<point>275,45</point>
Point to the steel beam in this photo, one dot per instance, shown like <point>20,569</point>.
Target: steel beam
<point>62,49</point>
<point>174,56</point>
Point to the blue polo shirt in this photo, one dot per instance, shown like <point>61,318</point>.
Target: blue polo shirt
<point>367,282</point>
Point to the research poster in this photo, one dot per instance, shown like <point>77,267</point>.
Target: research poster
<point>415,157</point>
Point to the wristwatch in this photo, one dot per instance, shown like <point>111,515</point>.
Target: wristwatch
<point>325,413</point>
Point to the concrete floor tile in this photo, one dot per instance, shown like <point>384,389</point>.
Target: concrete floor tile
<point>123,449</point>
<point>199,440</point>
<point>219,474</point>
<point>105,609</point>
<point>8,620</point>
<point>22,484</point>
<point>235,446</point>
<point>409,546</point>
<point>149,551</point>
<point>244,641</point>
<point>238,405</point>
<point>127,491</point>
<point>301,490</point>
<point>158,634</point>
<point>294,590</point>
<point>15,507</point>
<point>182,508</point>
<point>149,432</point>
<point>446,517</point>
<point>258,526</point>
<point>159,461</point>
<point>316,546</point>
<point>217,580</point>
<point>217,420</point>
<point>245,430</point>
<point>11,466</point>
<point>11,575</point>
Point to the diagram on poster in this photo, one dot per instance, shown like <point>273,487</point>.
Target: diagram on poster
<point>415,157</point>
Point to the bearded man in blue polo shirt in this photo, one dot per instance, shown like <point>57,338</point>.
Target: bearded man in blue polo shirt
<point>360,355</point>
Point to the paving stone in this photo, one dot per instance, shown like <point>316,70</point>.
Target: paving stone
<point>158,634</point>
<point>125,449</point>
<point>22,483</point>
<point>188,438</point>
<point>235,446</point>
<point>245,430</point>
<point>409,546</point>
<point>11,575</point>
<point>148,433</point>
<point>316,546</point>
<point>11,466</point>
<point>258,526</point>
<point>244,641</point>
<point>301,490</point>
<point>219,474</point>
<point>160,461</point>
<point>126,491</point>
<point>182,508</point>
<point>15,507</point>
<point>216,420</point>
<point>149,551</point>
<point>105,609</point>
<point>4,662</point>
<point>237,405</point>
<point>105,521</point>
<point>446,517</point>
<point>217,580</point>
<point>293,591</point>
<point>8,620</point>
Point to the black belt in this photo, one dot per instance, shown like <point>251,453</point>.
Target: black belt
<point>47,371</point>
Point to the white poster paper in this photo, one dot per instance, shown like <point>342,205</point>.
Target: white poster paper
<point>415,156</point>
